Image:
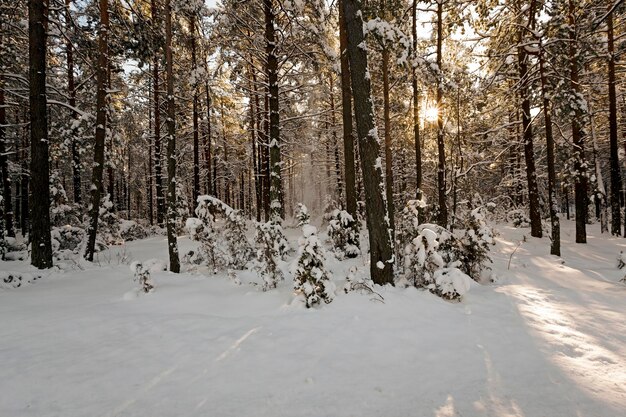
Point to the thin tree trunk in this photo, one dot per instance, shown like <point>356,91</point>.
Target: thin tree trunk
<point>388,157</point>
<point>580,178</point>
<point>149,176</point>
<point>101,110</point>
<point>555,245</point>
<point>600,194</point>
<point>441,165</point>
<point>196,142</point>
<point>381,247</point>
<point>416,118</point>
<point>171,145</point>
<point>7,197</point>
<point>158,176</point>
<point>207,145</point>
<point>346,113</point>
<point>41,252</point>
<point>253,145</point>
<point>71,89</point>
<point>616,175</point>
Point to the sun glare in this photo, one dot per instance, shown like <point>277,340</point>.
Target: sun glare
<point>431,114</point>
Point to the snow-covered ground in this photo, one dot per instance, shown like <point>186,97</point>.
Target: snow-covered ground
<point>547,339</point>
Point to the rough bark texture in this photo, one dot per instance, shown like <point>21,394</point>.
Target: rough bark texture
<point>271,69</point>
<point>158,176</point>
<point>97,186</point>
<point>381,252</point>
<point>580,184</point>
<point>346,114</point>
<point>616,175</point>
<point>207,145</point>
<point>388,156</point>
<point>41,249</point>
<point>416,118</point>
<point>196,140</point>
<point>529,154</point>
<point>172,243</point>
<point>7,197</point>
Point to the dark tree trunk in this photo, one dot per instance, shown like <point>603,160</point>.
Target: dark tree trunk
<point>7,197</point>
<point>580,184</point>
<point>276,190</point>
<point>253,144</point>
<point>97,186</point>
<point>71,90</point>
<point>265,159</point>
<point>529,155</point>
<point>171,145</point>
<point>346,113</point>
<point>388,157</point>
<point>149,175</point>
<point>333,126</point>
<point>616,175</point>
<point>158,176</point>
<point>196,142</point>
<point>41,252</point>
<point>555,246</point>
<point>381,248</point>
<point>207,144</point>
<point>416,120</point>
<point>441,152</point>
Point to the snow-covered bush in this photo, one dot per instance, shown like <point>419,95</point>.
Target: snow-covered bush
<point>209,233</point>
<point>268,254</point>
<point>142,275</point>
<point>328,209</point>
<point>475,243</point>
<point>343,231</point>
<point>108,223</point>
<point>302,215</point>
<point>131,230</point>
<point>430,262</point>
<point>61,213</point>
<point>518,218</point>
<point>67,238</point>
<point>407,224</point>
<point>311,278</point>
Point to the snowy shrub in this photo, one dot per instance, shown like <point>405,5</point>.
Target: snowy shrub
<point>67,238</point>
<point>10,280</point>
<point>206,230</point>
<point>61,213</point>
<point>311,278</point>
<point>474,244</point>
<point>302,215</point>
<point>232,276</point>
<point>430,262</point>
<point>268,253</point>
<point>407,225</point>
<point>343,231</point>
<point>142,275</point>
<point>131,230</point>
<point>518,218</point>
<point>108,223</point>
<point>329,207</point>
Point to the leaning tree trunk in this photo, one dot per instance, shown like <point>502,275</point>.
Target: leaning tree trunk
<point>171,145</point>
<point>381,248</point>
<point>580,179</point>
<point>41,244</point>
<point>346,113</point>
<point>276,191</point>
<point>101,116</point>
<point>616,175</point>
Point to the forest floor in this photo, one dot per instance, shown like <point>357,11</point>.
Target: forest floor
<point>548,338</point>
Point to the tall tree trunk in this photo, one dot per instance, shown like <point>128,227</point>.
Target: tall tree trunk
<point>346,113</point>
<point>25,180</point>
<point>253,144</point>
<point>97,186</point>
<point>381,247</point>
<point>71,90</point>
<point>580,184</point>
<point>7,198</point>
<point>196,142</point>
<point>149,176</point>
<point>388,157</point>
<point>41,252</point>
<point>158,176</point>
<point>529,155</point>
<point>276,190</point>
<point>600,194</point>
<point>416,117</point>
<point>555,245</point>
<point>171,145</point>
<point>616,175</point>
<point>207,145</point>
<point>333,126</point>
<point>441,165</point>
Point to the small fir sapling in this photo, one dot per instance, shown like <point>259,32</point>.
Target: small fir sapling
<point>344,233</point>
<point>302,215</point>
<point>329,207</point>
<point>311,278</point>
<point>407,225</point>
<point>142,275</point>
<point>475,244</point>
<point>268,254</point>
<point>202,230</point>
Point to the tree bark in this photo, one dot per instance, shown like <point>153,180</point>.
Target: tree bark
<point>7,197</point>
<point>616,175</point>
<point>416,118</point>
<point>41,245</point>
<point>196,142</point>
<point>388,157</point>
<point>171,145</point>
<point>97,186</point>
<point>580,184</point>
<point>346,113</point>
<point>381,247</point>
<point>441,165</point>
<point>207,144</point>
<point>158,176</point>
